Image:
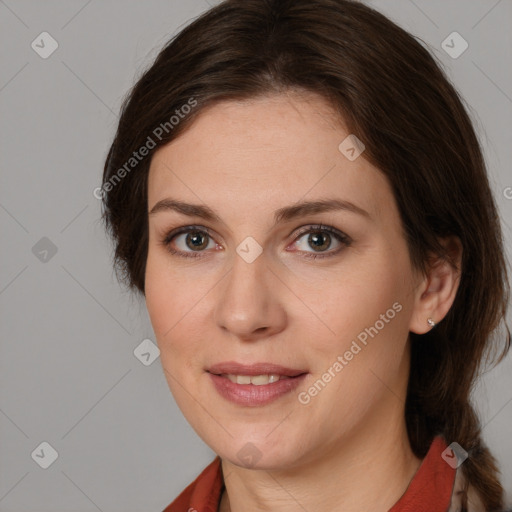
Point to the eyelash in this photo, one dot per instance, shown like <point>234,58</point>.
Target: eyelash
<point>318,228</point>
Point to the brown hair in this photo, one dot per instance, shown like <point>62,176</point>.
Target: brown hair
<point>390,92</point>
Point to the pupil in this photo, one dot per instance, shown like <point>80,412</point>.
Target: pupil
<point>319,240</point>
<point>195,238</point>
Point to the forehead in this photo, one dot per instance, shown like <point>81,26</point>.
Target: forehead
<point>280,149</point>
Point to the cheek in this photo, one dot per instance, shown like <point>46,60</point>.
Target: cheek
<point>168,298</point>
<point>175,308</point>
<point>158,296</point>
<point>357,300</point>
<point>368,312</point>
<point>167,305</point>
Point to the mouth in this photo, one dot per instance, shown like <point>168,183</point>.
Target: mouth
<point>259,371</point>
<point>255,380</point>
<point>256,384</point>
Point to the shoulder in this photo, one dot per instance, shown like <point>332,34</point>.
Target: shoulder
<point>203,494</point>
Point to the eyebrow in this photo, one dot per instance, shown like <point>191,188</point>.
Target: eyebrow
<point>284,214</point>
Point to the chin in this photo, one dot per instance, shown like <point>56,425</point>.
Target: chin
<point>260,453</point>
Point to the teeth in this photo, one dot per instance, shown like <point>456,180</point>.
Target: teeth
<point>257,380</point>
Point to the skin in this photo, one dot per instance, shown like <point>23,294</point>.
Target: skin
<point>245,160</point>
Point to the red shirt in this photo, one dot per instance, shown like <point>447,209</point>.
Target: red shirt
<point>429,491</point>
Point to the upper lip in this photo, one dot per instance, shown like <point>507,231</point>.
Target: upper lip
<point>234,368</point>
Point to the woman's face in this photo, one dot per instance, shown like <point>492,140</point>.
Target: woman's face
<point>243,286</point>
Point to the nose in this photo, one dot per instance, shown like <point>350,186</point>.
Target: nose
<point>250,302</point>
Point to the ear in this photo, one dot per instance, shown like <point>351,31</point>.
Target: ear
<point>436,291</point>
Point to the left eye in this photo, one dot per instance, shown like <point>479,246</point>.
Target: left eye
<point>321,239</point>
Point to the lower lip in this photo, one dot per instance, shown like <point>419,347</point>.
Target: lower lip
<point>251,395</point>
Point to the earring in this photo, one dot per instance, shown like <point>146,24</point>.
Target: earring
<point>431,322</point>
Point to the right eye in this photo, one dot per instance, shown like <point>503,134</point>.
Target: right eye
<point>191,241</point>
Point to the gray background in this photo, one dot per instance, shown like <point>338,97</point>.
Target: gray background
<point>68,373</point>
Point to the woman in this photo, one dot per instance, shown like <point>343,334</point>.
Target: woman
<point>299,194</point>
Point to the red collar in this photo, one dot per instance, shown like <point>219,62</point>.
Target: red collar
<point>430,489</point>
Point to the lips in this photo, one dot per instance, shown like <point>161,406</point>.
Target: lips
<point>234,368</point>
<point>256,392</point>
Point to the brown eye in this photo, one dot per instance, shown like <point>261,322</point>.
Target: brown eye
<point>197,240</point>
<point>188,241</point>
<point>320,239</point>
